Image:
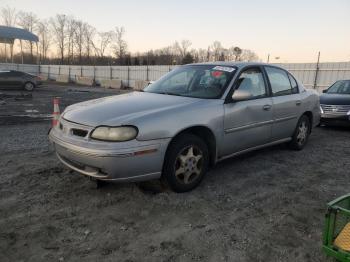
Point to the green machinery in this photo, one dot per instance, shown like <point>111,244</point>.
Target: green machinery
<point>336,236</point>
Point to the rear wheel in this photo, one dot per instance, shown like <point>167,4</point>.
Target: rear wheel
<point>301,133</point>
<point>186,163</point>
<point>29,86</point>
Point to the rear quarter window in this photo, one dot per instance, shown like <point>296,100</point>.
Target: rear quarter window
<point>293,82</point>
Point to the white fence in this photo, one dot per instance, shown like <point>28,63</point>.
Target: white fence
<point>318,76</point>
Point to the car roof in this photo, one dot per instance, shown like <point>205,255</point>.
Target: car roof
<point>236,64</point>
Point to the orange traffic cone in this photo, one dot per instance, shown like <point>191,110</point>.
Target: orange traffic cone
<point>56,112</point>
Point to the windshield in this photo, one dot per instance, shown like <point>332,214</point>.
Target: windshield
<point>200,81</point>
<point>340,87</point>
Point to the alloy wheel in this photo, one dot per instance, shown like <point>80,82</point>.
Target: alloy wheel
<point>188,164</point>
<point>303,131</point>
<point>29,86</point>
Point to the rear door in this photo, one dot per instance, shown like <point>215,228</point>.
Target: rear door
<point>248,123</point>
<point>16,79</point>
<point>5,79</point>
<point>286,102</point>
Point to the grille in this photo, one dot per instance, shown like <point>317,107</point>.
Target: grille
<point>79,132</point>
<point>336,109</point>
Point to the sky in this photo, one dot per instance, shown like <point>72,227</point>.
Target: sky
<point>293,30</point>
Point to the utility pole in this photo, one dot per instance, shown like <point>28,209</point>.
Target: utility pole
<point>317,69</point>
<point>268,58</point>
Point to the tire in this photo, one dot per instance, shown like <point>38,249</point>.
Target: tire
<point>301,133</point>
<point>29,86</point>
<point>186,162</point>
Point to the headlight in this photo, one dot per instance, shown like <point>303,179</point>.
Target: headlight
<point>116,134</point>
<point>321,110</point>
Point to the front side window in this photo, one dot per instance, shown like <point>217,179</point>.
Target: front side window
<point>252,81</point>
<point>279,81</point>
<point>340,87</point>
<point>200,81</point>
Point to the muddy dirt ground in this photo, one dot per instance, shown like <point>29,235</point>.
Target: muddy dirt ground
<point>264,206</point>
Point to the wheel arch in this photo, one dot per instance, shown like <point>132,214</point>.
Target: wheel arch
<point>203,132</point>
<point>309,114</point>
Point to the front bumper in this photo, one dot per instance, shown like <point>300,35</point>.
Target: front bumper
<point>342,120</point>
<point>126,161</point>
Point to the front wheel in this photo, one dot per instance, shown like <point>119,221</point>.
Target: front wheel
<point>301,133</point>
<point>186,163</point>
<point>29,86</point>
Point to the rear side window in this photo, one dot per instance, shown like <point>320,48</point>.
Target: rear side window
<point>16,73</point>
<point>279,81</point>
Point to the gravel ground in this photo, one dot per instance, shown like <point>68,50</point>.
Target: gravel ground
<point>268,205</point>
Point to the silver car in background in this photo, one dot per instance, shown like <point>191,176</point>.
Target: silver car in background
<point>180,125</point>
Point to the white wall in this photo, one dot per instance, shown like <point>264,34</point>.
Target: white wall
<point>328,73</point>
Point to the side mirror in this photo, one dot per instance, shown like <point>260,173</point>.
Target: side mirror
<point>324,91</point>
<point>241,95</point>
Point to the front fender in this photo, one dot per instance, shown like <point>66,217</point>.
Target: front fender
<point>167,124</point>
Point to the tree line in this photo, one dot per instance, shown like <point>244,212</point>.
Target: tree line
<point>64,39</point>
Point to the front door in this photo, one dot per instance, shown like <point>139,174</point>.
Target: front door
<point>248,123</point>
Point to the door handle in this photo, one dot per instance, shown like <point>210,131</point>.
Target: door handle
<point>266,107</point>
<point>298,103</point>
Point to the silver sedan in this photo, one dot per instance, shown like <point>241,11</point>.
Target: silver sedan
<point>180,125</point>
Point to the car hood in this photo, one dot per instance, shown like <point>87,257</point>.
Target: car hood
<point>335,99</point>
<point>121,109</point>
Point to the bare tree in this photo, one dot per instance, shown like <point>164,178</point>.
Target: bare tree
<point>59,26</point>
<point>237,52</point>
<point>120,46</point>
<point>223,54</point>
<point>183,47</point>
<point>194,54</point>
<point>79,39</point>
<point>208,54</point>
<point>28,21</point>
<point>216,48</point>
<point>8,16</point>
<point>71,28</point>
<point>103,41</point>
<point>202,55</point>
<point>248,56</point>
<point>45,39</point>
<point>89,32</point>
